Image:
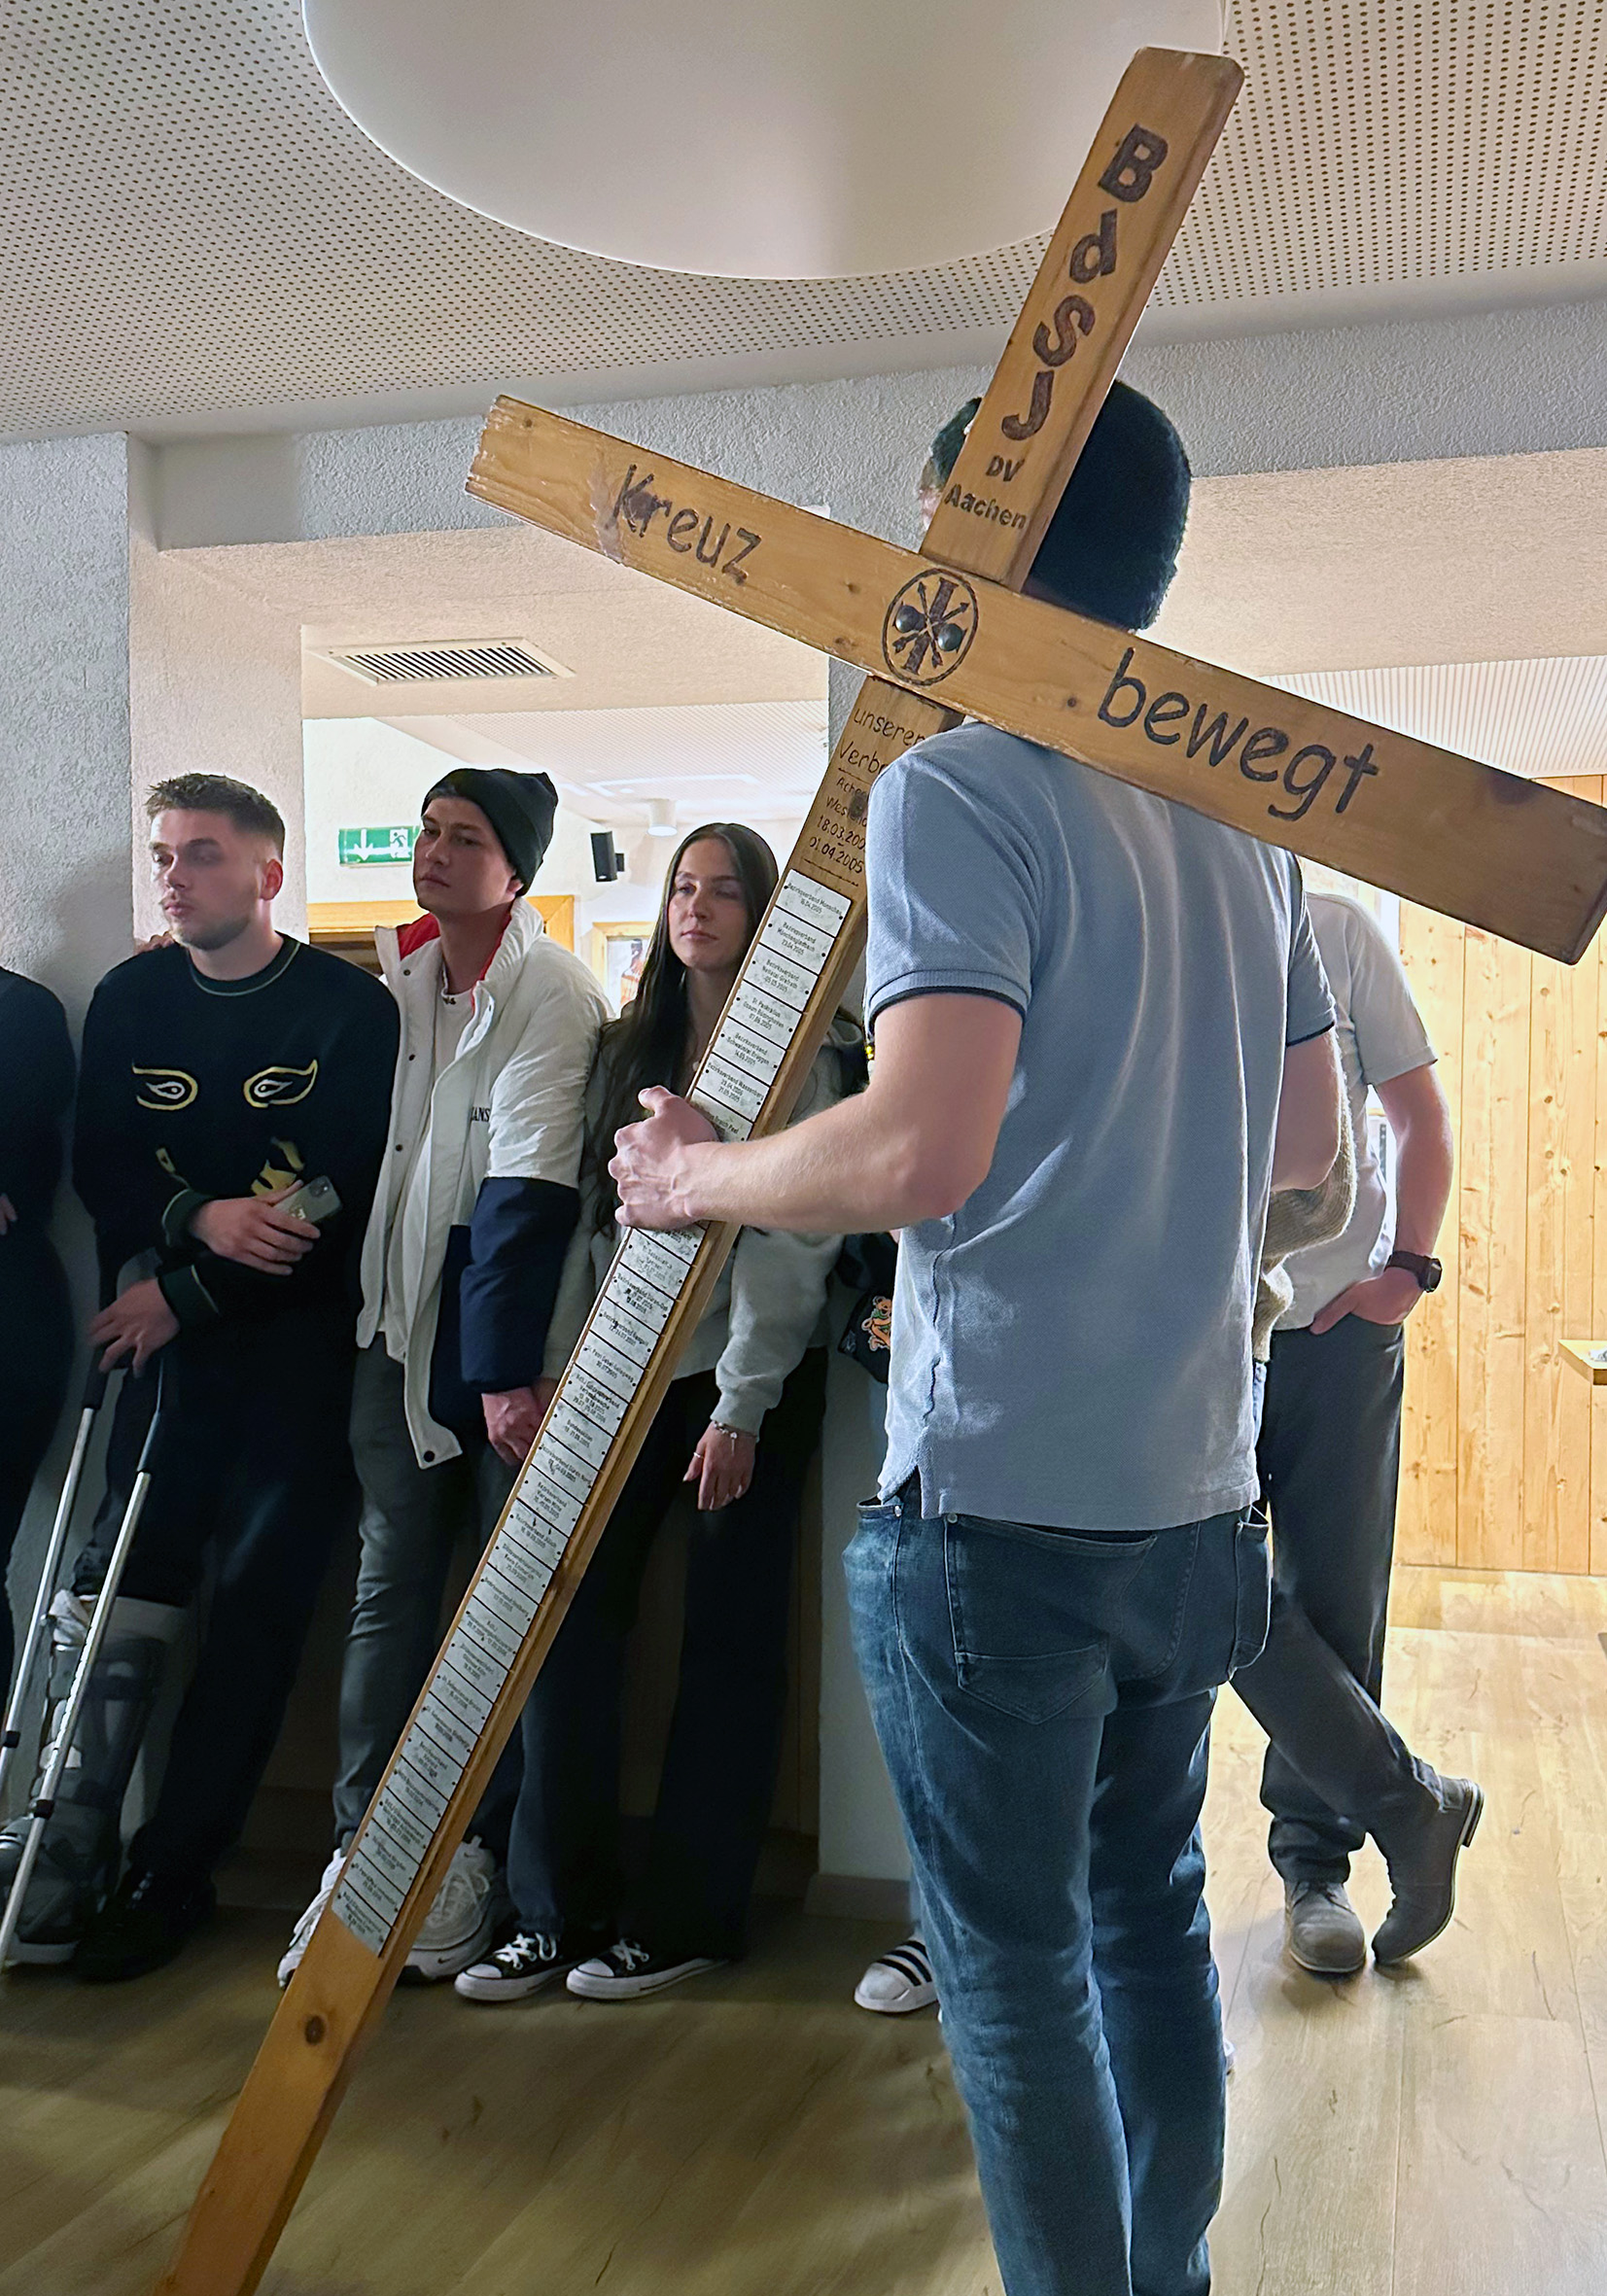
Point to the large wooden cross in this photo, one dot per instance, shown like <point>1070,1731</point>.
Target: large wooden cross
<point>942,631</point>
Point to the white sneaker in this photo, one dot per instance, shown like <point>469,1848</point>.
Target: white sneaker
<point>897,1981</point>
<point>304,1928</point>
<point>457,1928</point>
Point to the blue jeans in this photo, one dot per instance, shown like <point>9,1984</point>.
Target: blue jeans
<point>1043,1699</point>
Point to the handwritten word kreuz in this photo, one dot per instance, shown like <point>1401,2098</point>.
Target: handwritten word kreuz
<point>638,506</point>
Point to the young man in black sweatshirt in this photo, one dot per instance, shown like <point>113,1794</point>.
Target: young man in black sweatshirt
<point>219,1072</point>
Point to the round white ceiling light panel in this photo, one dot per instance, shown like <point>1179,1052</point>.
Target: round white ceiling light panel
<point>763,139</point>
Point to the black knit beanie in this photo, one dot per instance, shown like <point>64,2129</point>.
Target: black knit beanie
<point>1111,547</point>
<point>520,807</point>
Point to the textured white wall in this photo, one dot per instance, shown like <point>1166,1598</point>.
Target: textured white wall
<point>1516,381</point>
<point>360,770</point>
<point>64,908</point>
<point>64,897</point>
<point>215,687</point>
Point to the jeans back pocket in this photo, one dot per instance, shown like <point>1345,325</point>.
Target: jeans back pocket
<point>1028,1613</point>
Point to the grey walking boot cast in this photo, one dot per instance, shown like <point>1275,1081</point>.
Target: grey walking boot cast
<point>78,1856</point>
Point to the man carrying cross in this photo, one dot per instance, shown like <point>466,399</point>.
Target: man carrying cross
<point>1102,1033</point>
<point>1089,1008</point>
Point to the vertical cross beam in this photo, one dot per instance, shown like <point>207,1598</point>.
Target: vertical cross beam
<point>1124,213</point>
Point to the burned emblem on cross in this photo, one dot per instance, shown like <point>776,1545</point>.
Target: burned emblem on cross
<point>929,625</point>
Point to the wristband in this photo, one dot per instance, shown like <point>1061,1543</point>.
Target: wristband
<point>1427,1270</point>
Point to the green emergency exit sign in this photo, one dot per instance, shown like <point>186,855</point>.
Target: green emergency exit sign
<point>361,848</point>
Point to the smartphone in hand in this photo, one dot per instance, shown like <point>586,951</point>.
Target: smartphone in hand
<point>314,1200</point>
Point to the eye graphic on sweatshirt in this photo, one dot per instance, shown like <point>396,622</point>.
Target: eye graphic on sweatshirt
<point>279,1087</point>
<point>164,1088</point>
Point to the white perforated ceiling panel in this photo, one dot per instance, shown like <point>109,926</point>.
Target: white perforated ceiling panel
<point>1396,142</point>
<point>1546,716</point>
<point>191,226</point>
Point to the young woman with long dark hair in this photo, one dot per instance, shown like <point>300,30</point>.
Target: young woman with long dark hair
<point>740,1421</point>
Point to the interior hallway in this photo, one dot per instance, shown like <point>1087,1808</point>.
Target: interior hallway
<point>754,2134</point>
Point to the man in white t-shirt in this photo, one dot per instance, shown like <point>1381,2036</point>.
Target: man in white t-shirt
<point>1329,1457</point>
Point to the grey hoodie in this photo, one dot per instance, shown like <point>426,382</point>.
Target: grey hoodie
<point>770,1302</point>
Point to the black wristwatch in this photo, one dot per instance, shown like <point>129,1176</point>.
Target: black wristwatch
<point>1427,1271</point>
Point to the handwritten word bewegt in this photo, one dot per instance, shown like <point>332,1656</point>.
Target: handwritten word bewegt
<point>1304,774</point>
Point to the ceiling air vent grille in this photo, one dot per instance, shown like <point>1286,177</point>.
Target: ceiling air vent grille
<point>395,665</point>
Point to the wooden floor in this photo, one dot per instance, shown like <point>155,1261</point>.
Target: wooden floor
<point>754,2134</point>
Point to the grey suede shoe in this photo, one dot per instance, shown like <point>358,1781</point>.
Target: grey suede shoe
<point>1422,1872</point>
<point>1324,1934</point>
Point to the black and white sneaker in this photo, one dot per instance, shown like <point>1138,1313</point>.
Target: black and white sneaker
<point>628,1970</point>
<point>515,1971</point>
<point>898,1981</point>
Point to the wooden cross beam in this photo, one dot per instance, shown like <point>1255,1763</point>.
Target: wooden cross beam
<point>950,641</point>
<point>1519,858</point>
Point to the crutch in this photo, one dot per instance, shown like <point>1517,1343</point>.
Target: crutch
<point>10,1736</point>
<point>40,1814</point>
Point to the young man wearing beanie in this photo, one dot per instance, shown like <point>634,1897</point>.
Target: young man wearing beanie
<point>478,1197</point>
<point>1102,1033</point>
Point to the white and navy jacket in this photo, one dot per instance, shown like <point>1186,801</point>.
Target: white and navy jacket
<point>499,1156</point>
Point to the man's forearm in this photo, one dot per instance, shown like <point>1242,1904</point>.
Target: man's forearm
<point>1423,1166</point>
<point>912,1147</point>
<point>845,1169</point>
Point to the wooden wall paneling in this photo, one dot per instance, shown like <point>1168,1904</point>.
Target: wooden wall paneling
<point>1581,1047</point>
<point>1579,1037</point>
<point>1561,1501</point>
<point>1432,949</point>
<point>1598,1258</point>
<point>1580,1032</point>
<point>1557,1440</point>
<point>1493,1201</point>
<point>1495,1438</point>
<point>1502,1548</point>
<point>1471,1210</point>
<point>557,913</point>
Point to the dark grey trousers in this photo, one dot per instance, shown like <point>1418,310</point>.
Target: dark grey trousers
<point>411,1517</point>
<point>1329,1460</point>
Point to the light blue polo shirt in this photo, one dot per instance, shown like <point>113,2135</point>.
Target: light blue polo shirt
<point>1072,1347</point>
